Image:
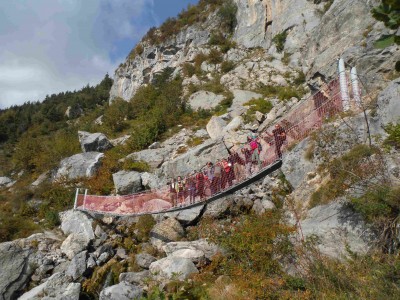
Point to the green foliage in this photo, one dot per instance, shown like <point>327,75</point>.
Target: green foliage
<point>144,225</point>
<point>138,166</point>
<point>116,114</point>
<point>344,172</point>
<point>389,13</point>
<point>217,38</point>
<point>227,66</point>
<point>227,13</point>
<point>393,130</point>
<point>15,226</point>
<point>215,56</point>
<point>279,40</point>
<point>261,105</point>
<point>281,92</point>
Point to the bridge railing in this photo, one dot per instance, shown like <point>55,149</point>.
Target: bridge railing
<point>242,164</point>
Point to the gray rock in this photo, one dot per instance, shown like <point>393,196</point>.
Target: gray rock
<point>144,260</point>
<point>120,141</point>
<point>208,249</point>
<point>127,182</point>
<point>215,127</point>
<point>150,180</point>
<point>15,270</point>
<point>73,244</point>
<point>174,268</point>
<point>106,248</point>
<point>187,216</point>
<point>99,231</point>
<point>121,291</point>
<point>155,145</point>
<point>59,286</point>
<point>77,266</point>
<point>91,262</point>
<point>6,182</point>
<point>79,165</point>
<point>218,208</point>
<point>241,97</point>
<point>168,230</point>
<point>135,277</point>
<point>192,254</point>
<point>93,142</point>
<point>268,204</point>
<point>295,166</point>
<point>153,157</point>
<point>121,253</point>
<point>202,133</point>
<point>73,221</point>
<point>34,293</point>
<point>103,258</point>
<point>389,103</point>
<point>205,100</point>
<point>258,208</point>
<point>235,124</point>
<point>337,227</point>
<point>42,178</point>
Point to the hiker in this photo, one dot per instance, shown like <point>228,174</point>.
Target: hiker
<point>200,185</point>
<point>209,170</point>
<point>238,166</point>
<point>255,147</point>
<point>279,134</point>
<point>180,190</point>
<point>247,160</point>
<point>172,192</point>
<point>228,172</point>
<point>190,183</point>
<point>216,182</point>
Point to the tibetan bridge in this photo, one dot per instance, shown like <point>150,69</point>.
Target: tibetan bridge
<point>242,167</point>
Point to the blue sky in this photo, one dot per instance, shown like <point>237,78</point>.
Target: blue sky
<point>49,46</point>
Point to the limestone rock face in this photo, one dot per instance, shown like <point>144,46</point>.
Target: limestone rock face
<point>15,269</point>
<point>121,291</point>
<point>205,100</point>
<point>127,182</point>
<point>93,142</point>
<point>389,103</point>
<point>79,165</point>
<point>337,227</point>
<point>173,268</point>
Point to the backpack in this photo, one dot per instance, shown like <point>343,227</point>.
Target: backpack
<point>253,145</point>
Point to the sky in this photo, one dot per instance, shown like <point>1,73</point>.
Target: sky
<point>51,46</point>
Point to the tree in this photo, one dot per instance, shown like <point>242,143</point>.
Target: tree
<point>389,13</point>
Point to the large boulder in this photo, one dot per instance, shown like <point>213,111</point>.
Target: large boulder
<point>144,260</point>
<point>173,268</point>
<point>127,182</point>
<point>135,277</point>
<point>77,266</point>
<point>204,99</point>
<point>166,231</point>
<point>93,142</point>
<point>73,244</point>
<point>187,216</point>
<point>73,221</point>
<point>79,165</point>
<point>153,157</point>
<point>122,291</point>
<point>15,270</point>
<point>215,127</point>
<point>338,229</point>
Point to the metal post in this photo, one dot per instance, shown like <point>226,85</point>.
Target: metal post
<point>84,199</point>
<point>76,197</point>
<point>343,85</point>
<point>355,86</point>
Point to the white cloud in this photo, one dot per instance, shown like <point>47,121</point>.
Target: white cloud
<point>49,46</point>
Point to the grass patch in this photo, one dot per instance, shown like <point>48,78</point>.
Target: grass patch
<point>281,92</point>
<point>393,140</point>
<point>261,105</point>
<point>138,166</point>
<point>195,141</point>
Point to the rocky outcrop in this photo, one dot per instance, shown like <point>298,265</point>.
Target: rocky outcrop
<point>127,182</point>
<point>6,182</point>
<point>73,221</point>
<point>79,165</point>
<point>205,100</point>
<point>215,127</point>
<point>144,260</point>
<point>121,291</point>
<point>337,229</point>
<point>175,268</point>
<point>389,103</point>
<point>192,250</point>
<point>94,142</point>
<point>166,231</point>
<point>15,270</point>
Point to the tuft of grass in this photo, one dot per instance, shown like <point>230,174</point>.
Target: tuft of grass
<point>138,166</point>
<point>261,105</point>
<point>279,40</point>
<point>393,140</point>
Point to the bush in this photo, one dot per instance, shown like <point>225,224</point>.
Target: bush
<point>215,57</point>
<point>261,105</point>
<point>227,13</point>
<point>227,66</point>
<point>279,41</point>
<point>281,92</point>
<point>394,135</point>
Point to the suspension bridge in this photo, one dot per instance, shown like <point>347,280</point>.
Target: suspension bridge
<point>241,168</point>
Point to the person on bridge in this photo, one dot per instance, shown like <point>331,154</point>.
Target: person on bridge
<point>172,192</point>
<point>200,185</point>
<point>255,150</point>
<point>279,134</point>
<point>180,190</point>
<point>247,160</point>
<point>190,182</point>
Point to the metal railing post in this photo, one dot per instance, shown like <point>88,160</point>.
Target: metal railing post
<point>76,197</point>
<point>84,199</point>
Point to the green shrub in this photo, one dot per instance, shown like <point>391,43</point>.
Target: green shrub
<point>227,13</point>
<point>279,40</point>
<point>215,56</point>
<point>261,105</point>
<point>144,225</point>
<point>393,130</point>
<point>227,66</point>
<point>345,171</point>
<point>281,92</point>
<point>188,70</point>
<point>138,166</point>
